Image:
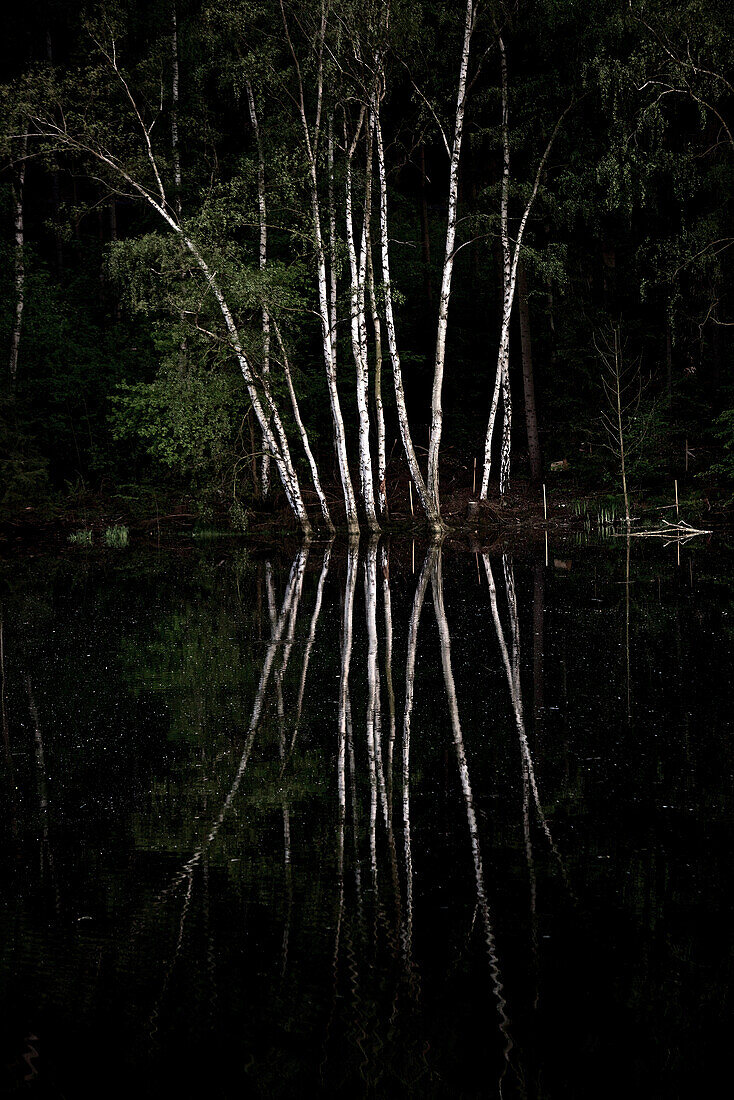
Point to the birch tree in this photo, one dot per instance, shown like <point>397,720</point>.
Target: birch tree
<point>86,144</point>
<point>311,140</point>
<point>358,326</point>
<point>19,262</point>
<point>432,513</point>
<point>510,259</point>
<point>434,441</point>
<point>428,489</point>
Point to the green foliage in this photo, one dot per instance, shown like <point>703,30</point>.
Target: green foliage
<point>116,537</point>
<point>239,517</point>
<point>81,538</point>
<point>724,431</point>
<point>183,420</point>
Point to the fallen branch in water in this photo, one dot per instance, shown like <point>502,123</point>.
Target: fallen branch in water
<point>681,529</point>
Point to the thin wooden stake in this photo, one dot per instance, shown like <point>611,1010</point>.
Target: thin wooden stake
<point>410,493</point>
<point>545,504</point>
<point>676,497</point>
<point>476,556</point>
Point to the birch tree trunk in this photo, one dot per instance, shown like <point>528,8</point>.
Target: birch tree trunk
<point>156,199</point>
<point>328,334</point>
<point>304,434</point>
<point>504,345</point>
<point>19,197</point>
<point>279,450</point>
<point>357,267</point>
<point>434,442</point>
<point>332,238</point>
<point>432,514</point>
<point>262,260</point>
<point>510,260</point>
<point>379,410</point>
<point>175,150</point>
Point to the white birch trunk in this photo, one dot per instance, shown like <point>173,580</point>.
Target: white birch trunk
<point>359,338</point>
<point>262,260</point>
<point>332,239</point>
<point>432,515</point>
<point>325,314</point>
<point>279,447</point>
<point>434,442</point>
<point>19,267</point>
<point>175,150</point>
<point>510,260</point>
<point>303,433</point>
<point>350,504</point>
<point>379,410</point>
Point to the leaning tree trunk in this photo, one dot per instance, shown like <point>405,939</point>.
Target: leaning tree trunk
<point>303,433</point>
<point>434,442</point>
<point>19,266</point>
<point>278,443</point>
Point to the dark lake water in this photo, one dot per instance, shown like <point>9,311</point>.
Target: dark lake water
<point>357,824</point>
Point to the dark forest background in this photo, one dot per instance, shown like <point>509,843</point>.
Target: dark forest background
<point>117,391</point>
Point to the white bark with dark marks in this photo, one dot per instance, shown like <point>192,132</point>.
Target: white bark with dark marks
<point>19,198</point>
<point>434,441</point>
<point>357,268</point>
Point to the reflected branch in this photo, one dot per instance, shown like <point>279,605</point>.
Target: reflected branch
<point>483,904</point>
<point>287,614</point>
<point>420,593</point>
<point>512,670</point>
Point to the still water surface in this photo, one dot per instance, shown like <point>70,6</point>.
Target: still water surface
<point>351,824</point>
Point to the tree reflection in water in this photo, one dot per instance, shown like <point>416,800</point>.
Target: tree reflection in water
<point>287,899</point>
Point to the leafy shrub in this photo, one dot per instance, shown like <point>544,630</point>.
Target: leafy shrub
<point>81,538</point>
<point>183,420</point>
<point>116,537</point>
<point>724,432</point>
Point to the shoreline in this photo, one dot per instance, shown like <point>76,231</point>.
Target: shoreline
<point>175,520</point>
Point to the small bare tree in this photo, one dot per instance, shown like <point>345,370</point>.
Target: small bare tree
<point>622,386</point>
